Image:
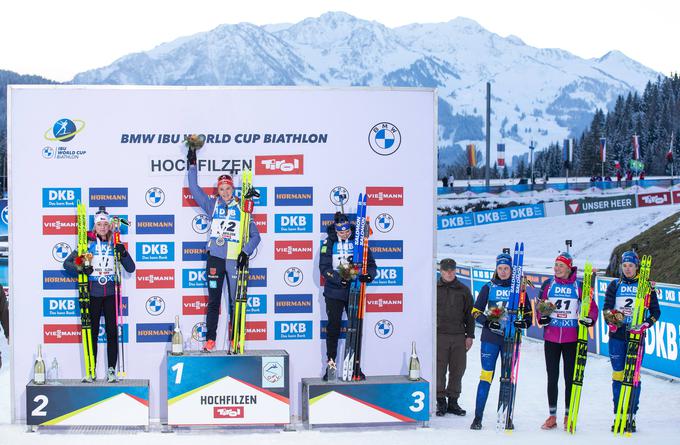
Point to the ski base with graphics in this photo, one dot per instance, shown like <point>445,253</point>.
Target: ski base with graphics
<point>379,400</point>
<point>84,298</point>
<point>69,402</point>
<point>227,389</point>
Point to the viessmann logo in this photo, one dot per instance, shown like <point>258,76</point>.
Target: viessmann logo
<point>195,305</point>
<point>385,196</point>
<point>59,225</point>
<point>384,302</point>
<point>188,199</point>
<point>293,250</point>
<point>155,278</point>
<point>279,165</point>
<point>61,333</point>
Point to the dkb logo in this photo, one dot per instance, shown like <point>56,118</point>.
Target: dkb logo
<point>193,278</point>
<point>293,330</point>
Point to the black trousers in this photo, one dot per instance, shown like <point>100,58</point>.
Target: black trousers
<point>215,271</point>
<point>553,352</point>
<point>334,310</point>
<point>107,305</point>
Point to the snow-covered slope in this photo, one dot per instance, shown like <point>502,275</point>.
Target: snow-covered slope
<point>538,94</point>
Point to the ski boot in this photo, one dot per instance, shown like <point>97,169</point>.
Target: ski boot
<point>550,423</point>
<point>476,424</point>
<point>111,375</point>
<point>331,371</point>
<point>454,408</point>
<point>209,346</point>
<point>441,406</point>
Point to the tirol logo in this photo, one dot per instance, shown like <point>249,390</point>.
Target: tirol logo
<point>109,197</point>
<point>194,251</point>
<point>228,412</point>
<point>155,197</point>
<point>293,276</point>
<point>293,223</point>
<point>257,277</point>
<point>339,196</point>
<point>256,330</point>
<point>60,197</point>
<point>387,249</point>
<point>260,220</point>
<point>293,196</point>
<point>654,199</point>
<point>195,278</point>
<point>293,250</point>
<point>155,278</point>
<point>195,305</point>
<point>384,302</point>
<point>154,332</point>
<point>385,196</point>
<point>384,138</point>
<point>155,305</point>
<point>279,165</point>
<point>59,225</point>
<point>384,222</point>
<point>200,223</point>
<point>293,330</point>
<point>155,251</point>
<point>256,304</point>
<point>199,331</point>
<point>61,333</point>
<point>58,279</point>
<point>61,251</point>
<point>64,130</point>
<point>384,329</point>
<point>293,303</point>
<point>60,307</point>
<point>389,276</point>
<point>326,219</point>
<point>155,224</point>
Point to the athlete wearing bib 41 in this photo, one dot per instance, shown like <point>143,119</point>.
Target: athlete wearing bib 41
<point>561,331</point>
<point>224,247</point>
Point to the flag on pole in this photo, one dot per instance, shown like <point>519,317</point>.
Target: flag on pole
<point>603,149</point>
<point>567,149</point>
<point>669,155</point>
<point>472,155</point>
<point>636,147</point>
<point>500,148</point>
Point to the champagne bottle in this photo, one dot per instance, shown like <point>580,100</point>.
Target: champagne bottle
<point>177,339</point>
<point>413,364</point>
<point>39,368</point>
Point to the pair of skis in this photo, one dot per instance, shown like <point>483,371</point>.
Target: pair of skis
<point>630,386</point>
<point>238,318</point>
<point>351,363</point>
<point>84,297</point>
<point>116,222</point>
<point>512,340</point>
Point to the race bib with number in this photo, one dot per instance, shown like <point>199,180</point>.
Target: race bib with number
<point>565,299</point>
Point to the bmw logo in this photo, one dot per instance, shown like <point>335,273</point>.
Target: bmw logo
<point>384,138</point>
<point>64,130</point>
<point>155,197</point>
<point>201,223</point>
<point>339,195</point>
<point>293,276</point>
<point>61,251</point>
<point>4,215</point>
<point>384,329</point>
<point>155,306</point>
<point>384,222</point>
<point>48,152</point>
<point>198,331</point>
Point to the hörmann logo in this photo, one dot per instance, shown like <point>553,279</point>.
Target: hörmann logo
<point>194,251</point>
<point>387,249</point>
<point>385,196</point>
<point>155,278</point>
<point>279,165</point>
<point>384,302</point>
<point>155,251</point>
<point>256,330</point>
<point>155,224</point>
<point>61,333</point>
<point>293,250</point>
<point>293,303</point>
<point>109,197</point>
<point>293,223</point>
<point>154,332</point>
<point>323,329</point>
<point>257,277</point>
<point>59,225</point>
<point>293,196</point>
<point>58,279</point>
<point>60,197</point>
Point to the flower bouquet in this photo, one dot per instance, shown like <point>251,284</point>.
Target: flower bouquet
<point>348,271</point>
<point>194,141</point>
<point>545,308</point>
<point>614,317</point>
<point>83,261</point>
<point>496,313</point>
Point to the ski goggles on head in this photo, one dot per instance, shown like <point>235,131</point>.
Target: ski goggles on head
<point>341,227</point>
<point>225,180</point>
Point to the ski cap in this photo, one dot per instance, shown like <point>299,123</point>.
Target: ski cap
<point>504,258</point>
<point>447,264</point>
<point>101,215</point>
<point>565,258</point>
<point>630,256</point>
<point>225,180</point>
<point>341,222</point>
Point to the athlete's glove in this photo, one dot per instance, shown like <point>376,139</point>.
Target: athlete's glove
<point>87,270</point>
<point>640,329</point>
<point>365,278</point>
<point>612,328</point>
<point>544,320</point>
<point>494,327</point>
<point>521,323</point>
<point>586,321</point>
<point>242,260</point>
<point>191,156</point>
<point>120,250</point>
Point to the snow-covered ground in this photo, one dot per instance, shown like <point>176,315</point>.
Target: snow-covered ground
<point>658,420</point>
<point>594,237</point>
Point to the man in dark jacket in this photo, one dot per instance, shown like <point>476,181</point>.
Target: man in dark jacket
<point>455,332</point>
<point>335,264</point>
<point>4,315</point>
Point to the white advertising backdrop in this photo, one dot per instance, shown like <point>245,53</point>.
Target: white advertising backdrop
<point>121,147</point>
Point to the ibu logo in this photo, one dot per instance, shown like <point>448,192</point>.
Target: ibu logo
<point>293,223</point>
<point>193,278</point>
<point>60,197</point>
<point>256,304</point>
<point>389,276</point>
<point>146,251</point>
<point>60,307</point>
<point>293,330</point>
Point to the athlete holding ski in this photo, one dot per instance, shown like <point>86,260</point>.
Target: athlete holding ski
<point>560,335</point>
<point>102,284</point>
<point>226,252</point>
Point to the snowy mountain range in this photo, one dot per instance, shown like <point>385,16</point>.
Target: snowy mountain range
<point>537,94</point>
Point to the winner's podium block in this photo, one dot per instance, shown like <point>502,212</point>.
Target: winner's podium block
<point>70,402</point>
<point>220,389</point>
<point>381,399</point>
